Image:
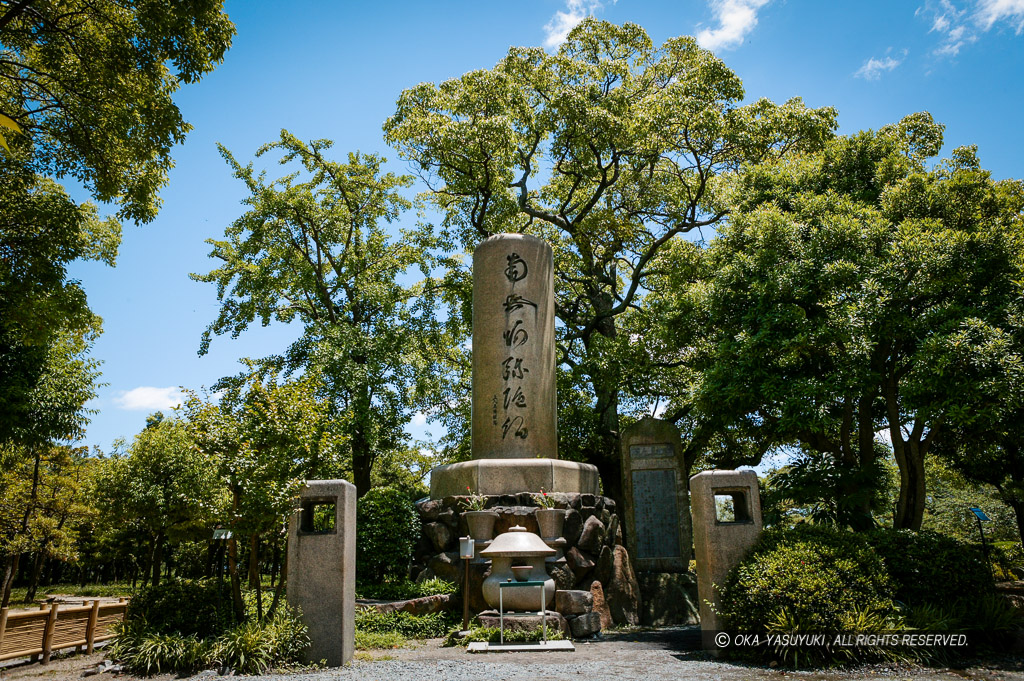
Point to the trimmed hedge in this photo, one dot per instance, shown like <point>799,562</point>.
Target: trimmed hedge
<point>387,527</point>
<point>813,577</point>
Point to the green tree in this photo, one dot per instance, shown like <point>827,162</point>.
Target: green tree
<point>41,231</point>
<point>266,438</point>
<point>609,149</point>
<point>987,448</point>
<point>91,85</point>
<point>853,291</point>
<point>317,251</point>
<point>163,485</point>
<point>53,408</point>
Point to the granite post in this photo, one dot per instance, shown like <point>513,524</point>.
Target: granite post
<point>322,568</point>
<point>726,525</point>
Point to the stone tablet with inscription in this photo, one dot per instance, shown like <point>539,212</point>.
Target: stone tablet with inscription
<point>657,503</point>
<point>514,349</point>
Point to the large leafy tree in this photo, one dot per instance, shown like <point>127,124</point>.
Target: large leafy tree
<point>266,438</point>
<point>86,93</point>
<point>163,485</point>
<point>987,448</point>
<point>854,291</point>
<point>90,83</point>
<point>609,149</point>
<point>313,247</point>
<point>54,409</point>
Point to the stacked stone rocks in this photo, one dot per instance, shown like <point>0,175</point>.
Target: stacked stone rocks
<point>595,560</point>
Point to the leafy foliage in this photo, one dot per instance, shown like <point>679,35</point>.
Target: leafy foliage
<point>91,85</point>
<point>853,290</point>
<point>252,647</point>
<point>406,624</point>
<point>814,575</point>
<point>401,590</point>
<point>609,150</point>
<point>317,251</point>
<point>493,635</point>
<point>387,527</point>
<point>927,567</point>
<point>200,608</point>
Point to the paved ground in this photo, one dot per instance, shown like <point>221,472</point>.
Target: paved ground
<point>664,655</point>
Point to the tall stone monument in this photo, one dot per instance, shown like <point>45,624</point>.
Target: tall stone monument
<point>514,422</point>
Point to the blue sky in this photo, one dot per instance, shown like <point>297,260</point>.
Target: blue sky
<point>334,70</point>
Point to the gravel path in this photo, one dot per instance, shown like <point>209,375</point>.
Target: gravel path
<point>663,655</point>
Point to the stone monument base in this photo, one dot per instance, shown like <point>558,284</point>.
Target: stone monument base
<point>511,476</point>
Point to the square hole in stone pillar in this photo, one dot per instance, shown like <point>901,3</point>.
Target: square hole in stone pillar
<point>731,506</point>
<point>318,516</point>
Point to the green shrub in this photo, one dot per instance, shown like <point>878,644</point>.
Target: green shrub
<point>200,608</point>
<point>406,624</point>
<point>145,652</point>
<point>816,578</point>
<point>387,527</point>
<point>1007,558</point>
<point>252,647</point>
<point>406,589</point>
<point>930,568</point>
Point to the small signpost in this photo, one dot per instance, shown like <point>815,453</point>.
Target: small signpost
<point>979,515</point>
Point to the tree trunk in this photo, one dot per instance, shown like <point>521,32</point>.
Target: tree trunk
<point>158,556</point>
<point>910,505</point>
<point>254,573</point>
<point>236,586</point>
<point>33,585</point>
<point>280,582</point>
<point>1018,512</point>
<point>10,570</point>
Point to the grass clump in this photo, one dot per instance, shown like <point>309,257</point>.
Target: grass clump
<point>493,635</point>
<point>405,589</point>
<point>405,624</point>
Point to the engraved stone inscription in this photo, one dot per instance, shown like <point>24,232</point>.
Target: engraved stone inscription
<point>655,515</point>
<point>664,451</point>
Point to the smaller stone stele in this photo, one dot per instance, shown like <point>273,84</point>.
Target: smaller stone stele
<point>657,502</point>
<point>517,547</point>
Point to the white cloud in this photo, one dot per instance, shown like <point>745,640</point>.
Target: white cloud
<point>148,398</point>
<point>736,18</point>
<point>557,30</point>
<point>991,11</point>
<point>419,419</point>
<point>873,68</point>
<point>963,25</point>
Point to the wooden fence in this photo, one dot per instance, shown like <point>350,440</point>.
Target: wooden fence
<point>37,633</point>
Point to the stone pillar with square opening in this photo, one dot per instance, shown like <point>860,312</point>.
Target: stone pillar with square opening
<point>726,510</point>
<point>322,568</point>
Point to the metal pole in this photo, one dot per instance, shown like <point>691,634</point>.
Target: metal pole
<point>465,598</point>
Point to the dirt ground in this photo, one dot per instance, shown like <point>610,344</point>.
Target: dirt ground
<point>667,654</point>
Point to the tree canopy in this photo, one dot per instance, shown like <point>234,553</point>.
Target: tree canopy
<point>313,247</point>
<point>609,149</point>
<point>853,291</point>
<point>90,84</point>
